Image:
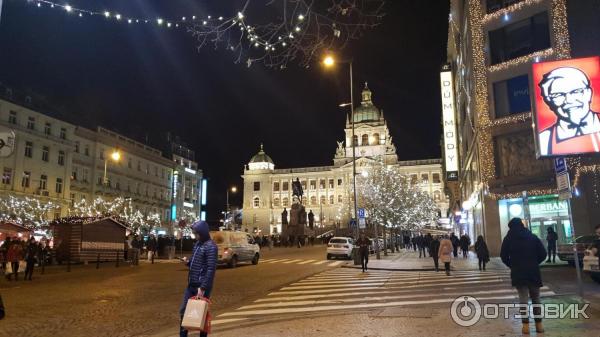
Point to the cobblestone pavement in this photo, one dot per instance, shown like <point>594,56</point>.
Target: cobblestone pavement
<point>136,301</point>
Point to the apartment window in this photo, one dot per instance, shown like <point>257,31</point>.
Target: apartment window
<point>303,183</point>
<point>331,200</point>
<point>413,178</point>
<point>276,186</point>
<point>340,198</point>
<point>43,181</point>
<point>355,140</point>
<point>313,184</point>
<point>520,38</point>
<point>376,139</point>
<point>31,123</point>
<point>276,202</point>
<point>76,147</point>
<point>331,185</point>
<point>285,202</point>
<point>323,200</point>
<point>74,174</point>
<point>512,96</point>
<point>256,202</point>
<point>495,5</point>
<point>286,186</point>
<point>7,176</point>
<point>85,175</point>
<point>340,181</point>
<point>322,183</point>
<point>45,153</point>
<point>61,158</point>
<point>12,117</point>
<point>48,129</point>
<point>313,200</point>
<point>28,149</point>
<point>256,186</point>
<point>436,178</point>
<point>59,185</point>
<point>26,179</point>
<point>87,150</point>
<point>424,178</point>
<point>63,133</point>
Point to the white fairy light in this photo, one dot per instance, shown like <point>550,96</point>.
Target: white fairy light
<point>68,8</point>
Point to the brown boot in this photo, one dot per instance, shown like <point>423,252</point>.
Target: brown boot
<point>539,327</point>
<point>525,329</point>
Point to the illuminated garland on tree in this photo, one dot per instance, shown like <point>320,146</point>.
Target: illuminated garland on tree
<point>29,212</point>
<point>298,30</point>
<point>121,209</point>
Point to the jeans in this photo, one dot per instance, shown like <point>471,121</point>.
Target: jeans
<point>29,269</point>
<point>364,260</point>
<point>552,253</point>
<point>187,294</point>
<point>526,292</point>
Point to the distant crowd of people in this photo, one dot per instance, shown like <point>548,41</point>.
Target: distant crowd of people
<point>18,254</point>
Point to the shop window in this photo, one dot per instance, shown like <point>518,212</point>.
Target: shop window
<point>512,96</point>
<point>520,38</point>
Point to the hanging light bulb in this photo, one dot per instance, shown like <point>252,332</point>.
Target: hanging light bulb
<point>68,8</point>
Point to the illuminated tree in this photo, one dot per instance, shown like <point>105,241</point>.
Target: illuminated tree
<point>120,208</point>
<point>29,212</point>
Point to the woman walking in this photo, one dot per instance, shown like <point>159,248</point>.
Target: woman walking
<point>483,254</point>
<point>15,252</point>
<point>445,253</point>
<point>434,249</point>
<point>31,254</point>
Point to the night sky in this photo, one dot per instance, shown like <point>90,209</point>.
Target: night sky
<point>143,81</point>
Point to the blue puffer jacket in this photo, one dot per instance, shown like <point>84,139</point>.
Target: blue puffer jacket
<point>523,252</point>
<point>203,262</point>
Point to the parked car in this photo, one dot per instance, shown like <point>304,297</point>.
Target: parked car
<point>340,247</point>
<point>565,250</point>
<point>236,247</point>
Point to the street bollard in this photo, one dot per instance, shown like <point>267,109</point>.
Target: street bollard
<point>117,259</point>
<point>98,261</point>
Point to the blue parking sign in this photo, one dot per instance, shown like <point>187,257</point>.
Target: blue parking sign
<point>361,213</point>
<point>560,165</point>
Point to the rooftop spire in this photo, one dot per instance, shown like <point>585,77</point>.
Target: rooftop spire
<point>366,95</point>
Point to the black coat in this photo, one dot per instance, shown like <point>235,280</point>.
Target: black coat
<point>482,251</point>
<point>523,252</point>
<point>434,248</point>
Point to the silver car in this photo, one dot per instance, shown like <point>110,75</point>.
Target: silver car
<point>235,247</point>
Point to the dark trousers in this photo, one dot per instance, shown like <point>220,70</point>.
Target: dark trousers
<point>187,294</point>
<point>364,260</point>
<point>481,264</point>
<point>526,292</point>
<point>436,263</point>
<point>415,247</point>
<point>455,251</point>
<point>15,270</point>
<point>552,253</point>
<point>447,267</point>
<point>465,252</point>
<point>29,269</point>
<point>422,251</point>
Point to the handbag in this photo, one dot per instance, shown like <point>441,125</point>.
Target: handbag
<point>196,316</point>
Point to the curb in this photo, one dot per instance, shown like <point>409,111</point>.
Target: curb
<point>414,269</point>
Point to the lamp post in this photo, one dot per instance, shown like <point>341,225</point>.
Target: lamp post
<point>329,61</point>
<point>233,190</point>
<point>115,156</point>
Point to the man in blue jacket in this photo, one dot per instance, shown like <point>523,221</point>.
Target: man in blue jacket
<point>523,252</point>
<point>202,264</point>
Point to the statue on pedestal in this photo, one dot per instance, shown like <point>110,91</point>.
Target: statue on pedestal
<point>311,219</point>
<point>297,190</point>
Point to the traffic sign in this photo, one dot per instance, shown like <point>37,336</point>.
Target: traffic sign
<point>564,186</point>
<point>560,165</point>
<point>361,213</point>
<point>7,143</point>
<point>362,223</point>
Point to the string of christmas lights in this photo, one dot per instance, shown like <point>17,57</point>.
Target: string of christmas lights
<point>29,212</point>
<point>119,208</point>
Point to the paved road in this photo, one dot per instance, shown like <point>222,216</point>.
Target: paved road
<point>140,301</point>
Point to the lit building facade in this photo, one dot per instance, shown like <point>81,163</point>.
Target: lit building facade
<point>328,189</point>
<point>492,45</point>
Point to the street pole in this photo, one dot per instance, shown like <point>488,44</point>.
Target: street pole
<point>0,9</point>
<point>105,178</point>
<point>353,152</point>
<point>577,266</point>
<point>226,210</point>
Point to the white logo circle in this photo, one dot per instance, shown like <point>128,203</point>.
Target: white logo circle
<point>465,311</point>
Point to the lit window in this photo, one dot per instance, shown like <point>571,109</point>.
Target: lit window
<point>256,202</point>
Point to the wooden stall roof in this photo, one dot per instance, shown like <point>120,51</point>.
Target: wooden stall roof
<point>12,227</point>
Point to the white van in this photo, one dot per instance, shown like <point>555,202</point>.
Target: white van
<point>235,247</point>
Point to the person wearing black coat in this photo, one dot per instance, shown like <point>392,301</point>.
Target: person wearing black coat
<point>551,237</point>
<point>465,242</point>
<point>523,252</point>
<point>455,243</point>
<point>483,254</point>
<point>434,248</point>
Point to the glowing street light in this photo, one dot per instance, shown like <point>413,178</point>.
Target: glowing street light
<point>114,156</point>
<point>329,61</point>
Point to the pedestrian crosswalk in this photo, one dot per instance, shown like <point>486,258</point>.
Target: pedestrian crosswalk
<point>330,263</point>
<point>342,289</point>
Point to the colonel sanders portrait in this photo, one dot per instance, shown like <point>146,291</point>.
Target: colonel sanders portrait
<point>568,94</point>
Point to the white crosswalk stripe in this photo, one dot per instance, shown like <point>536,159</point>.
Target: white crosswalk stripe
<point>349,289</point>
<point>302,262</point>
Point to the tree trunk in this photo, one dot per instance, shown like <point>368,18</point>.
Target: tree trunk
<point>377,254</point>
<point>385,253</point>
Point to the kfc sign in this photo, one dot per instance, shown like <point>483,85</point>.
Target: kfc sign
<point>450,139</point>
<point>567,98</point>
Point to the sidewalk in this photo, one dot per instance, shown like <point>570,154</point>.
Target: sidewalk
<point>409,260</point>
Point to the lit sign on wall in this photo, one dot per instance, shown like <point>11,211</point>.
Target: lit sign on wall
<point>203,215</point>
<point>567,101</point>
<point>189,170</point>
<point>175,181</point>
<point>203,196</point>
<point>448,113</point>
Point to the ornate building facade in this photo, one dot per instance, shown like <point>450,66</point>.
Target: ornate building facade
<point>328,189</point>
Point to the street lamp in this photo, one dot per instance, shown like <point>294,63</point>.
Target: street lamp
<point>233,189</point>
<point>329,61</point>
<point>115,156</point>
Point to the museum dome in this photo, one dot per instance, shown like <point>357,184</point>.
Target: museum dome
<point>366,112</point>
<point>261,161</point>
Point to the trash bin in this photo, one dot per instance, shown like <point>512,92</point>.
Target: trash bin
<point>355,256</point>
